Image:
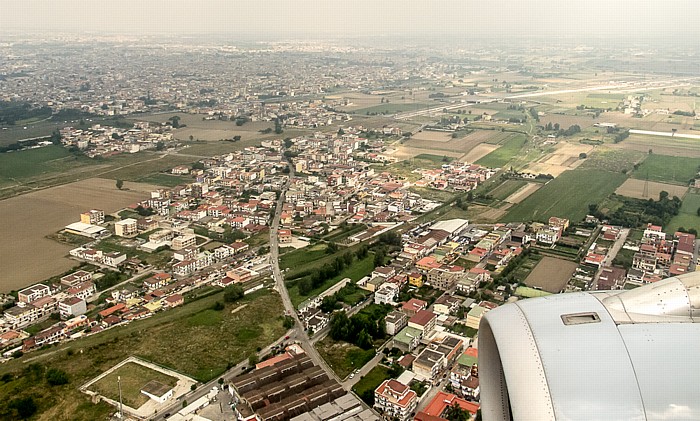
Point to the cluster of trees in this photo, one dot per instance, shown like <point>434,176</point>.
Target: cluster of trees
<point>23,407</point>
<point>326,272</point>
<point>636,212</point>
<point>233,293</point>
<point>110,279</point>
<point>362,328</point>
<point>684,113</point>
<point>572,130</point>
<point>13,111</point>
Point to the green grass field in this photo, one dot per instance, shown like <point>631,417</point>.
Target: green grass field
<point>507,188</point>
<point>133,378</point>
<point>357,270</point>
<point>687,217</point>
<point>667,169</point>
<point>299,258</point>
<point>615,160</point>
<point>501,156</point>
<point>31,162</point>
<point>372,380</point>
<point>165,180</point>
<point>201,349</point>
<point>343,357</point>
<point>567,196</point>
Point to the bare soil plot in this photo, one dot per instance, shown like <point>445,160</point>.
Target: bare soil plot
<point>478,152</point>
<point>433,136</point>
<point>523,193</point>
<point>27,255</point>
<point>564,157</point>
<point>636,188</point>
<point>492,214</point>
<point>551,274</point>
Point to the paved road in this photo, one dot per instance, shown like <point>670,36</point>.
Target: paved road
<point>299,334</point>
<point>610,256</point>
<point>97,295</point>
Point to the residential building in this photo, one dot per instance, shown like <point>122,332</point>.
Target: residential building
<point>93,217</point>
<point>76,278</point>
<point>284,236</point>
<point>437,408</point>
<point>474,316</point>
<point>395,321</point>
<point>429,364</point>
<point>72,306</point>
<point>445,277</point>
<point>548,234</point>
<point>395,400</point>
<point>126,227</point>
<point>447,304</point>
<point>183,241</point>
<point>423,320</point>
<point>407,339</point>
<point>415,279</point>
<point>83,290</point>
<point>386,294</point>
<point>33,293</point>
<point>413,305</point>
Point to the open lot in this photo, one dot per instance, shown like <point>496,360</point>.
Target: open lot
<point>133,378</point>
<point>642,189</point>
<point>668,169</point>
<point>343,357</point>
<point>31,257</point>
<point>217,342</point>
<point>551,274</point>
<point>688,216</point>
<point>567,196</point>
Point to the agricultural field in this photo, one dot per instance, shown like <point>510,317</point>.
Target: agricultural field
<point>501,156</point>
<point>29,218</point>
<point>506,189</point>
<point>670,146</point>
<point>642,189</point>
<point>523,193</point>
<point>613,159</point>
<point>343,357</point>
<point>210,130</point>
<point>218,340</point>
<point>567,196</point>
<point>551,274</point>
<point>133,378</point>
<point>441,141</point>
<point>668,169</point>
<point>564,156</point>
<point>688,216</point>
<point>478,152</point>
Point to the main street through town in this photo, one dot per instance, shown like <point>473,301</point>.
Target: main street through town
<point>299,334</point>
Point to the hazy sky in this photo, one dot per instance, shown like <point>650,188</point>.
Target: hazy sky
<point>331,18</point>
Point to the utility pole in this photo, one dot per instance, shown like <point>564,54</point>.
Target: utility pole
<point>121,406</point>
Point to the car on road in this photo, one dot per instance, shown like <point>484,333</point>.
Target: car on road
<point>351,375</point>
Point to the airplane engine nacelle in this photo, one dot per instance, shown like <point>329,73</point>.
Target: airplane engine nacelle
<point>612,355</point>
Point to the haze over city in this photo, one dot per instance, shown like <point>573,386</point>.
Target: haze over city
<point>624,19</point>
